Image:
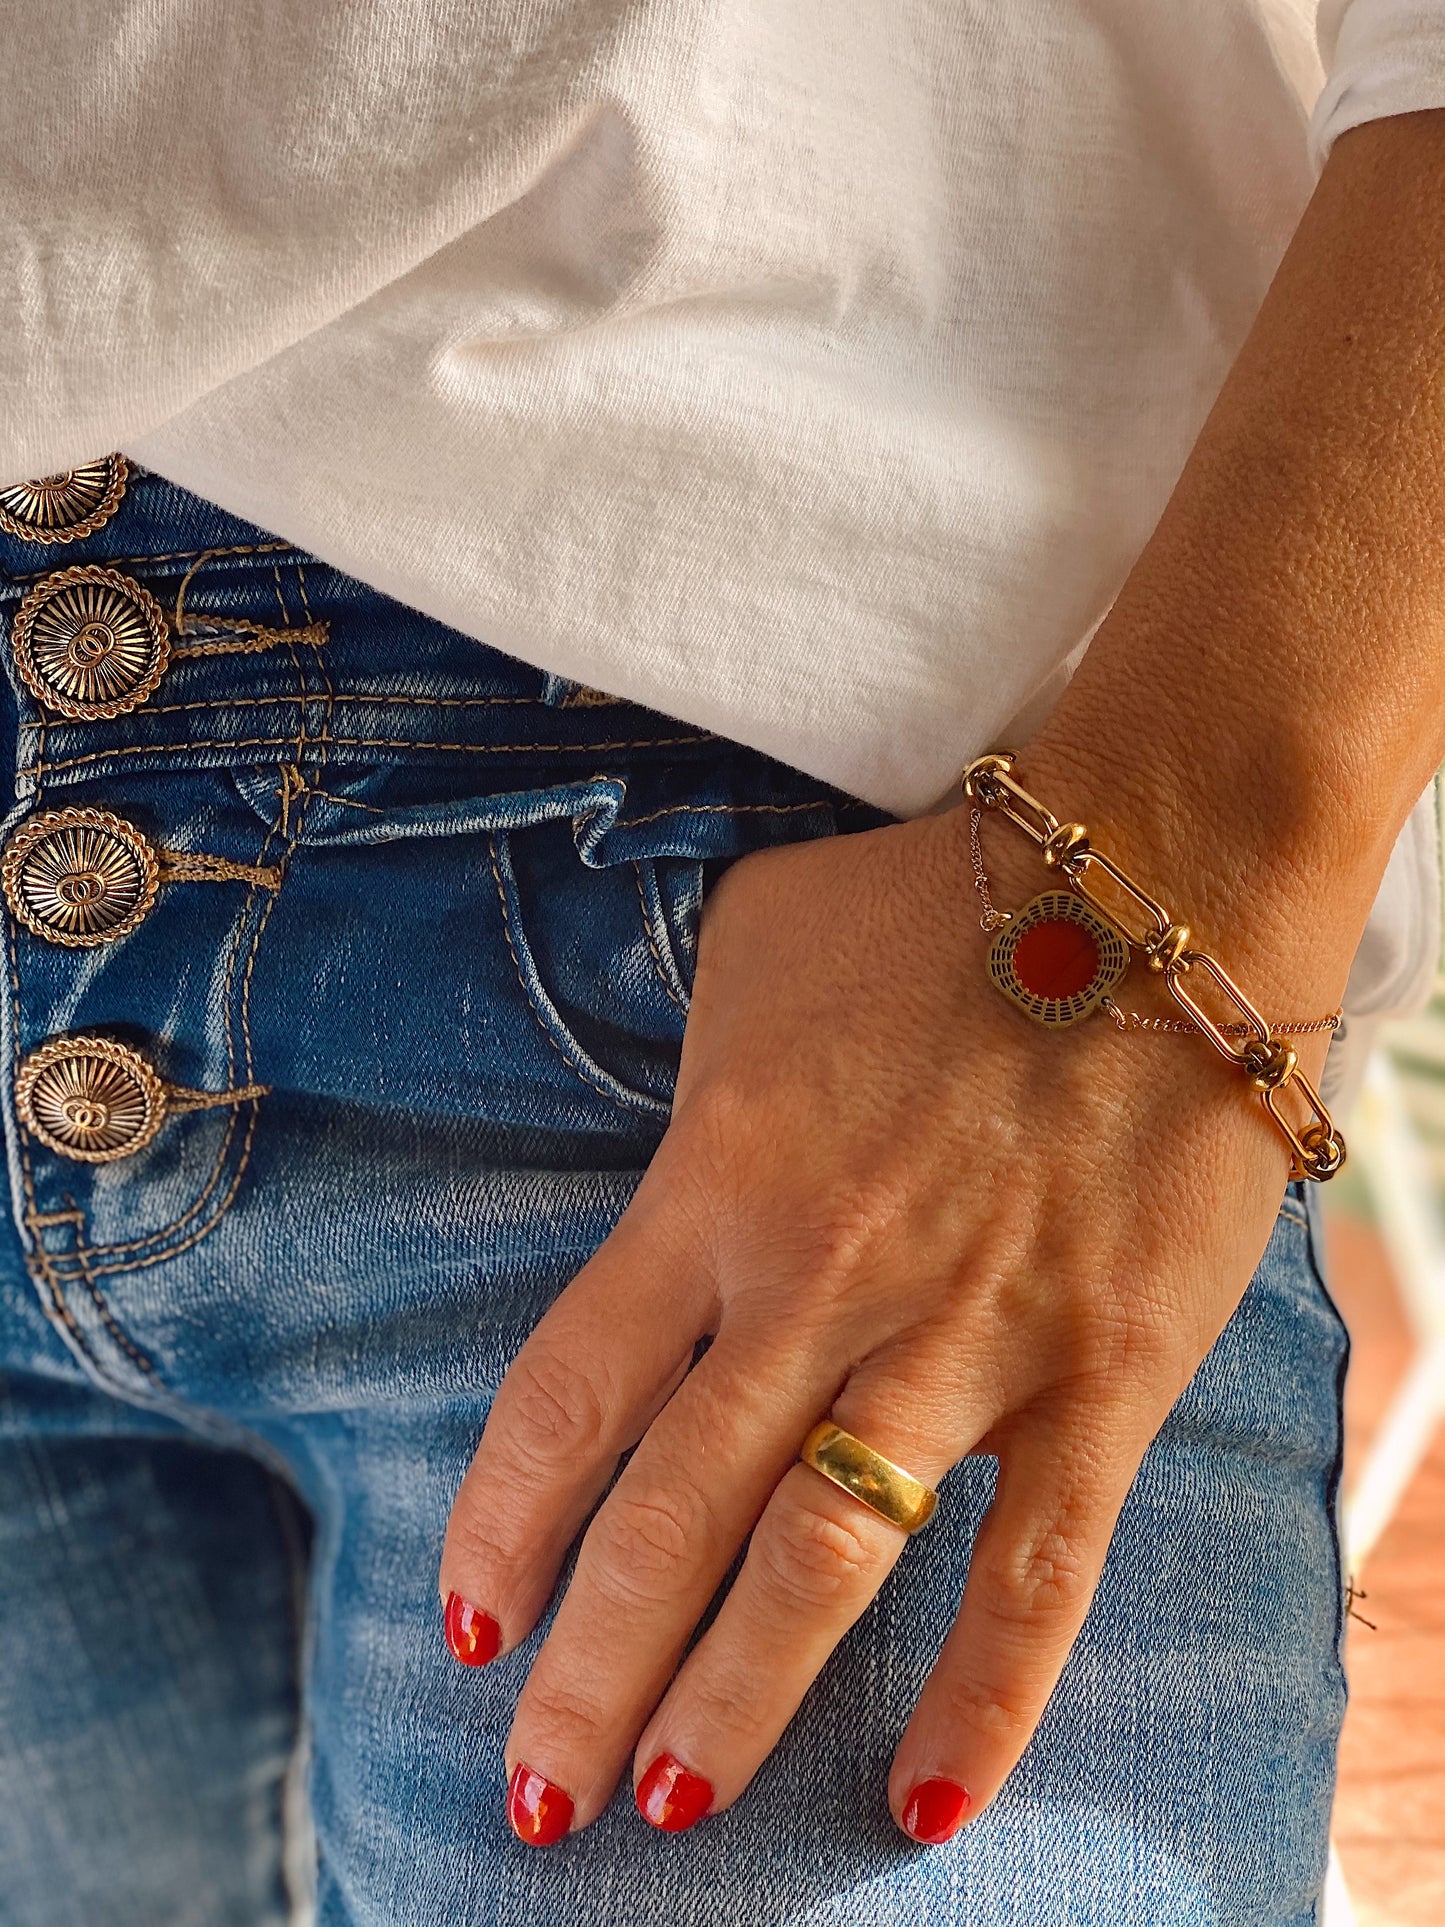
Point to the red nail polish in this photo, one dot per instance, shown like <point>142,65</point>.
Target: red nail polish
<point>540,1813</point>
<point>474,1636</point>
<point>671,1797</point>
<point>934,1811</point>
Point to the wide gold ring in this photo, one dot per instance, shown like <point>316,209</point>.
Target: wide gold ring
<point>885,1488</point>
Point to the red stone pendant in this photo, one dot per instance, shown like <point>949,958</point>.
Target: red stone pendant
<point>1057,959</point>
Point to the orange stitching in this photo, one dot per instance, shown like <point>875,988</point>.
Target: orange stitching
<point>194,1237</point>
<point>183,1098</point>
<point>36,1263</point>
<point>178,555</point>
<point>218,1168</point>
<point>363,742</point>
<point>242,1163</point>
<point>273,702</point>
<point>313,635</point>
<point>647,931</point>
<point>197,866</point>
<point>198,1203</point>
<point>127,1345</point>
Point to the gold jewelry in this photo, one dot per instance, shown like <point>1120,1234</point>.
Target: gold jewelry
<point>991,918</point>
<point>885,1488</point>
<point>1039,983</point>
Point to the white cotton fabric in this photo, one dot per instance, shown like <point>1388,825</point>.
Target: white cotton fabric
<point>811,372</point>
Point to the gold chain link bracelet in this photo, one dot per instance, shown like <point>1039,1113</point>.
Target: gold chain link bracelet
<point>1061,955</point>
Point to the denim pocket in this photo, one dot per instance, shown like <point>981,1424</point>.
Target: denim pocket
<point>598,891</point>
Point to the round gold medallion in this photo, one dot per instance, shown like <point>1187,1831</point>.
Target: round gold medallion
<point>64,507</point>
<point>90,642</point>
<point>79,877</point>
<point>90,1098</point>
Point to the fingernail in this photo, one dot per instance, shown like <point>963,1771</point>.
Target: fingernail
<point>671,1797</point>
<point>934,1811</point>
<point>474,1636</point>
<point>540,1813</point>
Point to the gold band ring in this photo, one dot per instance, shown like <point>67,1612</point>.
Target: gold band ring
<point>885,1488</point>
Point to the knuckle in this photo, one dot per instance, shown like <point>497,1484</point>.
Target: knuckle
<point>809,1558</point>
<point>641,1545</point>
<point>551,1409</point>
<point>1043,1582</point>
<point>475,1538</point>
<point>725,1707</point>
<point>566,1721</point>
<point>987,1708</point>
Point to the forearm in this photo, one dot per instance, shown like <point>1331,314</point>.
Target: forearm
<point>1266,699</point>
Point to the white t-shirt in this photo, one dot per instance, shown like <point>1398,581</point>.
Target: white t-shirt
<point>812,371</point>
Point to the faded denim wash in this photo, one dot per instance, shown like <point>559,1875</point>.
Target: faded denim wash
<point>242,1371</point>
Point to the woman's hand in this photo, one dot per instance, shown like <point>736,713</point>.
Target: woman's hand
<point>889,1197</point>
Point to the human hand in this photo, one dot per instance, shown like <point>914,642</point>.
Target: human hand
<point>888,1197</point>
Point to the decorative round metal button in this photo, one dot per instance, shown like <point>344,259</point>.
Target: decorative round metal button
<point>79,877</point>
<point>90,642</point>
<point>1057,959</point>
<point>90,1098</point>
<point>64,507</point>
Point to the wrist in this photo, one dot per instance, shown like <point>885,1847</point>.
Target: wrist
<point>1252,869</point>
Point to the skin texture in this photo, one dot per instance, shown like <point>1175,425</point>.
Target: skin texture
<point>889,1197</point>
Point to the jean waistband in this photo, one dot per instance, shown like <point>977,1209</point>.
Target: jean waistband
<point>273,657</point>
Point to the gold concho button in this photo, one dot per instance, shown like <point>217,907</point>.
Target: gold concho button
<point>90,642</point>
<point>79,877</point>
<point>64,507</point>
<point>90,1098</point>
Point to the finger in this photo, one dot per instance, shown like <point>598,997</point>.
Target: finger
<point>816,1559</point>
<point>1031,1578</point>
<point>581,1392</point>
<point>649,1565</point>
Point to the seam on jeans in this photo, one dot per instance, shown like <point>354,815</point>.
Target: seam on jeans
<point>175,555</point>
<point>360,742</point>
<point>40,1262</point>
<point>620,1095</point>
<point>132,1351</point>
<point>1287,1210</point>
<point>260,639</point>
<point>276,702</point>
<point>38,1259</point>
<point>194,1237</point>
<point>183,1097</point>
<point>73,1216</point>
<point>718,809</point>
<point>652,944</point>
<point>198,1204</point>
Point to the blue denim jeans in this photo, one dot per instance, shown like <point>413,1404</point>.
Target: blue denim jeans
<point>412,986</point>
